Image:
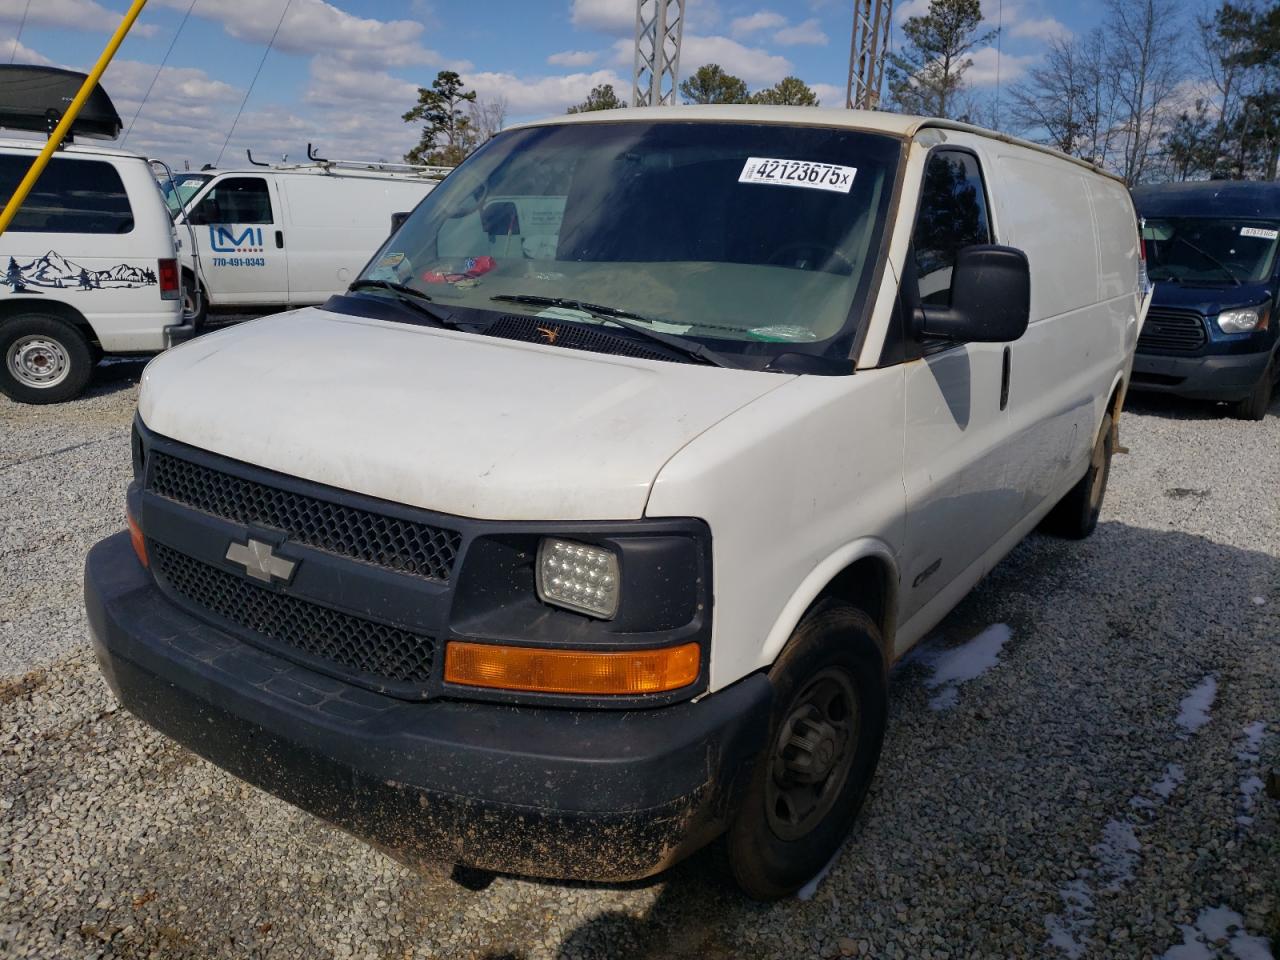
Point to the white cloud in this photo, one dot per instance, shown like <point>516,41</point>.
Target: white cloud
<point>69,14</point>
<point>760,20</point>
<point>337,84</point>
<point>983,69</point>
<point>1041,28</point>
<point>753,64</point>
<point>829,95</point>
<point>316,26</point>
<point>807,32</point>
<point>20,53</point>
<point>573,58</point>
<point>605,16</point>
<point>912,8</point>
<point>538,96</point>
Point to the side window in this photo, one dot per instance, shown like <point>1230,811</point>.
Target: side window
<point>953,214</point>
<point>71,196</point>
<point>236,200</point>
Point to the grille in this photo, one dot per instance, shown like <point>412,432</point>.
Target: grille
<point>402,545</point>
<point>1172,331</point>
<point>366,651</point>
<point>572,337</point>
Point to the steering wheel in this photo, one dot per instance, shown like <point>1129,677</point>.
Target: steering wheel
<point>825,254</point>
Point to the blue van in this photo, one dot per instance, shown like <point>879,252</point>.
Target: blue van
<point>1212,332</point>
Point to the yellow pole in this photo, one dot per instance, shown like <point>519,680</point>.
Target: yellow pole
<point>64,125</point>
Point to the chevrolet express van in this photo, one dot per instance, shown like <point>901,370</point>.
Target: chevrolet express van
<point>290,235</point>
<point>89,265</point>
<point>584,528</point>
<point>1212,253</point>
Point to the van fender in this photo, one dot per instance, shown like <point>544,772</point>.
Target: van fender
<point>822,576</point>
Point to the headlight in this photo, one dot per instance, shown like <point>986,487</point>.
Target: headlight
<point>578,577</point>
<point>1243,320</point>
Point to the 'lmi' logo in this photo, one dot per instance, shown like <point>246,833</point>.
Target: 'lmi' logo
<point>222,240</point>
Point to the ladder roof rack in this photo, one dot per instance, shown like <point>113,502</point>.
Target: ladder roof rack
<point>317,163</point>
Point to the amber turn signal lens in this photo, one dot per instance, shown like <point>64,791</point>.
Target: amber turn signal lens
<point>584,672</point>
<point>138,540</point>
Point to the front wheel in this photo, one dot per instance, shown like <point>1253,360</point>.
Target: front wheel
<point>1255,406</point>
<point>43,359</point>
<point>830,706</point>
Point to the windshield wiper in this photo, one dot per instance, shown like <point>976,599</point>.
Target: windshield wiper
<point>1210,257</point>
<point>624,318</point>
<point>409,297</point>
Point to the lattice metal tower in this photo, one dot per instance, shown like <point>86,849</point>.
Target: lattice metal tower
<point>659,27</point>
<point>867,51</point>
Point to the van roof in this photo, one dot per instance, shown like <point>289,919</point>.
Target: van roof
<point>874,121</point>
<point>36,145</point>
<point>328,170</point>
<point>1221,198</point>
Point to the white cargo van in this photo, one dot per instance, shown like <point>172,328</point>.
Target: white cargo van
<point>292,235</point>
<point>585,527</point>
<point>88,267</point>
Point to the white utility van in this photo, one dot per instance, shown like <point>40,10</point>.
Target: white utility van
<point>88,267</point>
<point>584,529</point>
<point>292,235</point>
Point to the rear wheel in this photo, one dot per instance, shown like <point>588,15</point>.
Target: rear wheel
<point>43,359</point>
<point>1255,406</point>
<point>1077,513</point>
<point>807,787</point>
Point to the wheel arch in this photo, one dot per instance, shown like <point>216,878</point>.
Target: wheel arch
<point>864,574</point>
<point>17,306</point>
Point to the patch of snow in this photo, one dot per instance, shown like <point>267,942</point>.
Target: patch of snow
<point>1174,775</point>
<point>1117,852</point>
<point>967,662</point>
<point>1259,601</point>
<point>1250,787</point>
<point>1068,931</point>
<point>1213,926</point>
<point>1193,712</point>
<point>1248,751</point>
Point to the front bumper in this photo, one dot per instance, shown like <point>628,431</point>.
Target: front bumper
<point>1213,377</point>
<point>566,793</point>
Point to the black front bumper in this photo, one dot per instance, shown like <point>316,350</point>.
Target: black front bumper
<point>581,794</point>
<point>1211,377</point>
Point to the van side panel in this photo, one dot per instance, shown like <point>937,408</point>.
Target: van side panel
<point>787,482</point>
<point>335,224</point>
<point>1066,364</point>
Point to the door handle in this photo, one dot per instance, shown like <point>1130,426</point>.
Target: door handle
<point>1004,377</point>
<point>280,243</point>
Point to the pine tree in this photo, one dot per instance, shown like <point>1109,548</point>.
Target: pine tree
<point>447,135</point>
<point>926,76</point>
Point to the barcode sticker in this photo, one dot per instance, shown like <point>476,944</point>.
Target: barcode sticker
<point>798,173</point>
<point>1260,232</point>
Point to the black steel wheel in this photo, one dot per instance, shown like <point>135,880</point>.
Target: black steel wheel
<point>830,705</point>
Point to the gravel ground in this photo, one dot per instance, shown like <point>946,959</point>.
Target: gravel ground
<point>1071,767</point>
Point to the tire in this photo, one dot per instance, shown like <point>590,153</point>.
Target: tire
<point>43,359</point>
<point>1256,405</point>
<point>1076,514</point>
<point>189,284</point>
<point>813,775</point>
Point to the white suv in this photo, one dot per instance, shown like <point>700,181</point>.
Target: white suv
<point>586,526</point>
<point>88,267</point>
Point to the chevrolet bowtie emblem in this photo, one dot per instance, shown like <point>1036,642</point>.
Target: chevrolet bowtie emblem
<point>259,562</point>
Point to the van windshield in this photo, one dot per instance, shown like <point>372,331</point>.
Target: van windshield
<point>746,236</point>
<point>1209,250</point>
<point>182,188</point>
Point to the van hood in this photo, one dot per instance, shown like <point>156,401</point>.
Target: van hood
<point>464,424</point>
<point>1209,301</point>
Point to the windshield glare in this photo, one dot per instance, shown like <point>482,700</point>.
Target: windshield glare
<point>678,223</point>
<point>1192,250</point>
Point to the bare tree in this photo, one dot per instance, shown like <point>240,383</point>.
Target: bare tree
<point>1069,100</point>
<point>487,117</point>
<point>1143,56</point>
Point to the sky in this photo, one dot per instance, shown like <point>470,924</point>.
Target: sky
<point>341,72</point>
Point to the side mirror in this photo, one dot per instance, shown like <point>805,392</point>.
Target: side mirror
<point>398,219</point>
<point>990,297</point>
